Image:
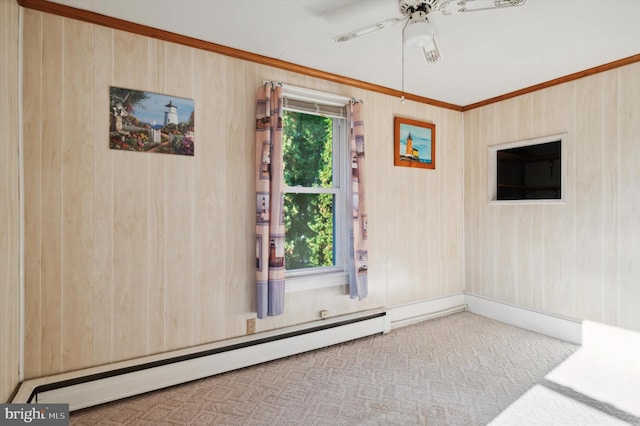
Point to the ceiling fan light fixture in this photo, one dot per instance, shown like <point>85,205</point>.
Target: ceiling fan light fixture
<point>419,31</point>
<point>431,52</point>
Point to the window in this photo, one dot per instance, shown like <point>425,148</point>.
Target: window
<point>528,171</point>
<point>315,153</point>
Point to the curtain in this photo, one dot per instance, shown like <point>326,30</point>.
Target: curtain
<point>358,254</point>
<point>270,270</point>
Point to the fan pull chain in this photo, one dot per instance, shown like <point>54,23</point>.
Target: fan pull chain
<point>402,40</point>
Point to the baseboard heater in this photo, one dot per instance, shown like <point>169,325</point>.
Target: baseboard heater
<point>86,388</point>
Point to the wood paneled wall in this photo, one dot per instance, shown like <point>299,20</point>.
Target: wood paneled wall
<point>9,200</point>
<point>129,254</point>
<point>579,259</point>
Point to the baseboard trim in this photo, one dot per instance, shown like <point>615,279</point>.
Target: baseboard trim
<point>98,385</point>
<point>563,328</point>
<point>94,386</point>
<point>403,315</point>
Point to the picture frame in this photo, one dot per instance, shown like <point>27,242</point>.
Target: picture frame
<point>414,143</point>
<point>150,122</point>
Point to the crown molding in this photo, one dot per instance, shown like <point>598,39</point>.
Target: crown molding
<point>144,30</point>
<point>571,77</point>
<point>131,27</point>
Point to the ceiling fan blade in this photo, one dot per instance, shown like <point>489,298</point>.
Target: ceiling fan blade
<point>366,30</point>
<point>462,6</point>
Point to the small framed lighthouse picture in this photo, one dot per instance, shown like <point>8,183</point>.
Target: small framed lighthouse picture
<point>414,143</point>
<point>150,122</point>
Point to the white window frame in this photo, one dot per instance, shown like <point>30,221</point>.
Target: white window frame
<point>337,275</point>
<point>492,171</point>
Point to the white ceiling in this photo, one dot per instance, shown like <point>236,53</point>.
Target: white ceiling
<point>484,54</point>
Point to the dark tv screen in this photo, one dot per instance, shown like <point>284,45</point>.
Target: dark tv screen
<point>531,172</point>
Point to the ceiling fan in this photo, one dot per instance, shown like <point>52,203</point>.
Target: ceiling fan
<point>418,31</point>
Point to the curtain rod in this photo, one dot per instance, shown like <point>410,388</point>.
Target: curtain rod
<point>311,95</point>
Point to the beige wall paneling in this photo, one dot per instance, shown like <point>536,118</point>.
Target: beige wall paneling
<point>530,219</point>
<point>486,213</point>
<point>130,183</point>
<point>420,235</point>
<point>472,199</point>
<point>180,199</point>
<point>130,254</point>
<point>588,144</point>
<point>9,200</point>
<point>78,130</point>
<point>411,219</point>
<point>209,293</point>
<point>430,263</point>
<point>103,203</point>
<point>236,151</point>
<point>32,135</point>
<point>395,217</point>
<point>629,199</point>
<point>402,186</point>
<point>162,244</point>
<point>51,146</point>
<point>452,204</point>
<point>444,204</point>
<point>156,253</point>
<point>506,215</point>
<point>610,199</point>
<point>581,262</point>
<point>558,240</point>
<point>537,251</point>
<point>155,249</point>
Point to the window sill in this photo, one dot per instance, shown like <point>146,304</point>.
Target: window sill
<point>529,201</point>
<point>315,281</point>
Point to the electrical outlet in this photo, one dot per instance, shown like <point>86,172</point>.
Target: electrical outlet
<point>324,314</point>
<point>251,325</point>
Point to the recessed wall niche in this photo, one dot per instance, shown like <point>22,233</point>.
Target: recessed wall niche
<point>528,171</point>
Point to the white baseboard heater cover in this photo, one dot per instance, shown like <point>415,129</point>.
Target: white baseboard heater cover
<point>82,391</point>
<point>98,385</point>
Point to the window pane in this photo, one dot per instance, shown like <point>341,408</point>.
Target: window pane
<point>309,228</point>
<point>307,150</point>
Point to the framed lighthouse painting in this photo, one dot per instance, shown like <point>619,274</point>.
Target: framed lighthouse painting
<point>150,122</point>
<point>414,143</point>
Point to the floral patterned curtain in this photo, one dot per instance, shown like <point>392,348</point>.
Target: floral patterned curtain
<point>270,270</point>
<point>358,253</point>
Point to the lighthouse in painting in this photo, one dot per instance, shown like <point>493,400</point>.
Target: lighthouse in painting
<point>409,150</point>
<point>171,114</point>
<point>411,153</point>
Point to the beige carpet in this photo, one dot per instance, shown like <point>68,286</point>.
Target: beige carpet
<point>462,369</point>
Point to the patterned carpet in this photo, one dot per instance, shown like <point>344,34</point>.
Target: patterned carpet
<point>462,369</point>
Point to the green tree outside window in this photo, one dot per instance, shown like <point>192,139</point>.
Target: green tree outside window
<point>309,218</point>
